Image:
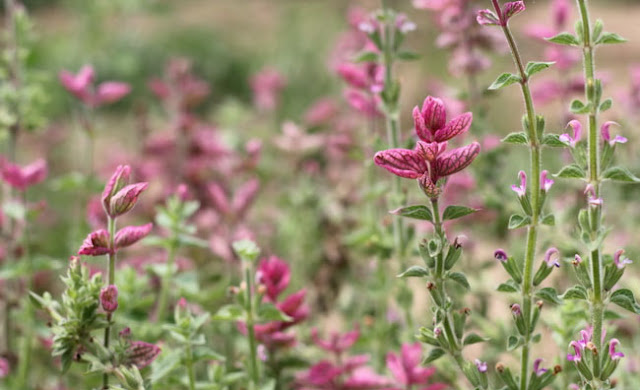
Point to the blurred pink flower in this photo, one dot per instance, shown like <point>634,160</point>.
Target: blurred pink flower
<point>337,343</point>
<point>23,177</point>
<point>267,86</point>
<point>81,86</point>
<point>407,370</point>
<point>141,354</point>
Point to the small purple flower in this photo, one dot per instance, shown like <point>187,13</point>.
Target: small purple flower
<point>482,366</point>
<point>516,310</point>
<point>586,335</point>
<point>577,134</point>
<point>109,298</point>
<point>501,255</point>
<point>619,260</point>
<point>592,200</point>
<point>612,350</point>
<point>522,189</point>
<point>544,182</point>
<point>606,136</point>
<point>437,331</point>
<point>551,257</point>
<point>577,356</point>
<point>537,369</point>
<point>577,259</point>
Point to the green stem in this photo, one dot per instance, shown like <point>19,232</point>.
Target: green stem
<point>597,306</point>
<point>25,347</point>
<point>189,364</point>
<point>111,225</point>
<point>253,350</point>
<point>532,234</point>
<point>166,280</point>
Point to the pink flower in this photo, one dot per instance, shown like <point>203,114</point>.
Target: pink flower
<point>482,366</point>
<point>118,180</point>
<point>131,234</point>
<point>577,355</point>
<point>109,298</point>
<point>363,102</point>
<point>537,369</point>
<point>545,183</point>
<point>337,343</point>
<point>81,86</point>
<point>577,134</point>
<point>96,244</point>
<point>612,350</point>
<point>23,177</point>
<point>521,190</point>
<point>620,260</point>
<point>267,85</point>
<point>431,122</point>
<point>407,369</point>
<point>4,368</point>
<point>275,274</point>
<point>606,136</point>
<point>124,200</point>
<point>489,18</point>
<point>551,257</point>
<point>592,200</point>
<point>320,112</point>
<point>141,354</point>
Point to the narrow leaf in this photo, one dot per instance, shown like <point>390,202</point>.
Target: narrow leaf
<point>520,138</point>
<point>504,80</point>
<point>565,38</point>
<point>414,271</point>
<point>454,212</point>
<point>415,212</point>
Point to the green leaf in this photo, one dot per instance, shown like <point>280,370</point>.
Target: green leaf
<point>473,338</point>
<point>625,299</point>
<point>578,107</point>
<point>460,279</point>
<point>564,38</point>
<point>434,355</point>
<point>513,342</point>
<point>571,171</point>
<point>597,30</point>
<point>553,140</point>
<point>366,56</point>
<point>415,271</point>
<point>520,138</point>
<point>230,313</point>
<point>454,212</point>
<point>517,221</point>
<point>504,80</point>
<point>509,287</point>
<point>604,106</point>
<point>548,294</point>
<point>549,220</point>
<point>620,174</point>
<point>407,56</point>
<point>575,292</point>
<point>610,38</point>
<point>415,212</point>
<point>536,67</point>
<point>268,312</point>
<point>164,365</point>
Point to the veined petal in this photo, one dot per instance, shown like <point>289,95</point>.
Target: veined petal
<point>456,126</point>
<point>430,150</point>
<point>131,234</point>
<point>402,162</point>
<point>456,160</point>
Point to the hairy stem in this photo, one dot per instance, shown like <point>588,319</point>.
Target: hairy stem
<point>597,306</point>
<point>189,364</point>
<point>166,280</point>
<point>111,224</point>
<point>532,232</point>
<point>253,350</point>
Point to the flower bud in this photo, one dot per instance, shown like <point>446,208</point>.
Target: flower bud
<point>141,354</point>
<point>125,199</point>
<point>109,298</point>
<point>118,180</point>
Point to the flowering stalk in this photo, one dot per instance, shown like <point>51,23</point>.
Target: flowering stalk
<point>25,348</point>
<point>534,131</point>
<point>111,226</point>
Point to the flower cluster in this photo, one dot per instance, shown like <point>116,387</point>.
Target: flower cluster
<point>429,162</point>
<point>81,86</point>
<point>584,354</point>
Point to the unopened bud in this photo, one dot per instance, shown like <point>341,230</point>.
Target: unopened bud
<point>500,367</point>
<point>557,369</point>
<point>109,298</point>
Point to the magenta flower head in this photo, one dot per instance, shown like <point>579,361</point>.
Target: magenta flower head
<point>482,366</point>
<point>577,259</point>
<point>406,368</point>
<point>96,244</point>
<point>516,310</point>
<point>5,368</point>
<point>275,274</point>
<point>109,298</point>
<point>337,343</point>
<point>501,255</point>
<point>111,91</point>
<point>21,178</point>
<point>486,17</point>
<point>545,183</point>
<point>79,84</point>
<point>577,355</point>
<point>620,260</point>
<point>606,136</point>
<point>131,234</point>
<point>141,354</point>
<point>118,180</point>
<point>431,122</point>
<point>521,190</point>
<point>612,350</point>
<point>125,199</point>
<point>537,369</point>
<point>577,134</point>
<point>551,257</point>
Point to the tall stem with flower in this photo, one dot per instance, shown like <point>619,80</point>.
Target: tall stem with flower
<point>431,164</point>
<point>532,201</point>
<point>598,278</point>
